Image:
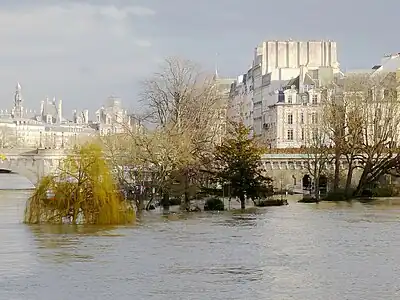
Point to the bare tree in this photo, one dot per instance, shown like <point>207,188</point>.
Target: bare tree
<point>342,123</point>
<point>363,118</point>
<point>318,155</point>
<point>188,111</point>
<point>379,111</point>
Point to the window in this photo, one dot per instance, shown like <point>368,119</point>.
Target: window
<point>314,99</point>
<point>386,93</point>
<point>302,134</point>
<point>315,135</point>
<point>314,118</point>
<point>290,135</point>
<point>301,118</point>
<point>290,119</point>
<point>289,99</point>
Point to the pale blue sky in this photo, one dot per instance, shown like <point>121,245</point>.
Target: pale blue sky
<point>83,51</point>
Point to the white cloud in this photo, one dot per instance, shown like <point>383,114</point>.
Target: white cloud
<point>70,50</point>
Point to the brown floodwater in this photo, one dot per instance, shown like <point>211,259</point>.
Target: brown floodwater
<point>300,251</point>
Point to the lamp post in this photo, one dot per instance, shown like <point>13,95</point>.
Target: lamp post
<point>40,140</point>
<point>62,140</point>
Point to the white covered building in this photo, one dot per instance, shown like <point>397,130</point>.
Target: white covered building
<point>293,108</point>
<point>47,128</point>
<point>240,107</point>
<point>283,74</point>
<point>275,63</point>
<point>112,118</point>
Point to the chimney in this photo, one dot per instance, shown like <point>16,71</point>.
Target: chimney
<point>75,116</point>
<point>41,107</point>
<point>302,76</point>
<point>60,118</point>
<point>86,116</point>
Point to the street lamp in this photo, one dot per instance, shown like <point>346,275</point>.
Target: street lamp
<point>62,140</point>
<point>40,140</point>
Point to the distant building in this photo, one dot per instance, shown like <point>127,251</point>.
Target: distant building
<point>240,107</point>
<point>280,93</point>
<point>111,118</point>
<point>277,62</point>
<point>47,128</point>
<point>292,108</point>
<point>223,86</point>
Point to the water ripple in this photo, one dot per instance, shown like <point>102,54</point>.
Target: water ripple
<point>326,251</point>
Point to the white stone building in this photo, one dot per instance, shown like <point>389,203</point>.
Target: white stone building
<point>223,86</point>
<point>277,62</point>
<point>47,128</point>
<point>240,107</point>
<point>293,113</point>
<point>112,118</point>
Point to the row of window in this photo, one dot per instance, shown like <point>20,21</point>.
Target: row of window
<point>314,99</point>
<point>290,134</point>
<point>314,118</point>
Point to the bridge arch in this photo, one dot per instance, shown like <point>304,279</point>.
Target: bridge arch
<point>29,169</point>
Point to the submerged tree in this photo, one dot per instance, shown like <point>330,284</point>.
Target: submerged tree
<point>187,109</point>
<point>238,163</point>
<point>82,191</point>
<point>317,156</point>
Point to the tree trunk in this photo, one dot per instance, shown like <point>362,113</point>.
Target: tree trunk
<point>186,195</point>
<point>361,184</point>
<point>150,202</point>
<point>140,205</point>
<point>316,188</point>
<point>336,178</point>
<point>165,200</point>
<point>349,179</point>
<point>242,201</point>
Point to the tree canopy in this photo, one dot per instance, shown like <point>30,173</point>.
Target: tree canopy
<point>237,162</point>
<point>82,191</point>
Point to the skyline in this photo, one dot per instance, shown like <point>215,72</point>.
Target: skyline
<point>78,50</point>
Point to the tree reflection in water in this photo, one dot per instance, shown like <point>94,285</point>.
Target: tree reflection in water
<point>66,243</point>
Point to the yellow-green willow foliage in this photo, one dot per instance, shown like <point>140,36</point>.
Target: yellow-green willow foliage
<point>84,191</point>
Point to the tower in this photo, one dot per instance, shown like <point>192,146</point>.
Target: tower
<point>18,109</point>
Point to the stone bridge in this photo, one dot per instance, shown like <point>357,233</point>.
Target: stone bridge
<point>32,164</point>
<point>287,170</point>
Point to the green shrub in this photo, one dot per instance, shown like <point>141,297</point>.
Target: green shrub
<point>214,204</point>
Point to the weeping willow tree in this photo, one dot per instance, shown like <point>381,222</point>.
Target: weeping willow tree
<point>83,191</point>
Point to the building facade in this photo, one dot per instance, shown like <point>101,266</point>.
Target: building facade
<point>112,118</point>
<point>293,111</point>
<point>48,128</point>
<point>223,88</point>
<point>284,85</point>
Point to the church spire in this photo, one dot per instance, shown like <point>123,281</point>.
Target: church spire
<point>18,109</point>
<point>216,66</point>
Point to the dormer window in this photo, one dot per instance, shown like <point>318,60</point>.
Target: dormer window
<point>289,99</point>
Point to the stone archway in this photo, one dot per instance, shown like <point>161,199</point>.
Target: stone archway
<point>306,182</point>
<point>29,169</point>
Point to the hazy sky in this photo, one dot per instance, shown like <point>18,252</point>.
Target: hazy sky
<point>84,51</point>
